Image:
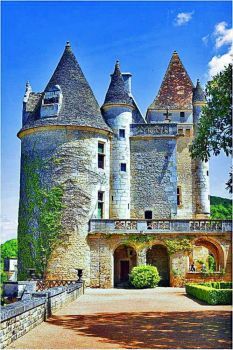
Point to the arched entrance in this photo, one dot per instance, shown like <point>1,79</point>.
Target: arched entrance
<point>158,256</point>
<point>208,251</point>
<point>125,258</point>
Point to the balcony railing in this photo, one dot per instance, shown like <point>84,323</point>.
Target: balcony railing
<point>153,226</point>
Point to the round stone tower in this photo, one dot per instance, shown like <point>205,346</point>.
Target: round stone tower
<point>117,111</point>
<point>61,178</point>
<point>201,168</point>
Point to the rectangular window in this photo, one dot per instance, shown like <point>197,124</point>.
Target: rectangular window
<point>100,205</point>
<point>179,199</point>
<point>148,214</point>
<point>101,155</point>
<point>180,131</point>
<point>123,166</point>
<point>187,132</point>
<point>182,115</point>
<point>122,133</point>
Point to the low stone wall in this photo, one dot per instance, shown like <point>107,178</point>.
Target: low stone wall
<point>20,317</point>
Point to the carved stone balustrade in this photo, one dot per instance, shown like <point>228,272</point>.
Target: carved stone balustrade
<point>153,226</point>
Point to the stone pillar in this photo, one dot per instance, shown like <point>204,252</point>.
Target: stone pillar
<point>141,257</point>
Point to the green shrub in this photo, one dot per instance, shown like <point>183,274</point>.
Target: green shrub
<point>145,276</point>
<point>207,293</point>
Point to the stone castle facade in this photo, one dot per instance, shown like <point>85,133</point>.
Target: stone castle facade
<point>122,176</point>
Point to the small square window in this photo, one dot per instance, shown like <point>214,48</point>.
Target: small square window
<point>123,166</point>
<point>180,131</point>
<point>182,115</point>
<point>122,133</point>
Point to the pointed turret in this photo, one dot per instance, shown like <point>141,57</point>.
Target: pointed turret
<point>176,89</point>
<point>73,102</point>
<point>198,93</point>
<point>117,92</point>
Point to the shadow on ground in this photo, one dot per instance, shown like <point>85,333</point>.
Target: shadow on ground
<point>206,329</point>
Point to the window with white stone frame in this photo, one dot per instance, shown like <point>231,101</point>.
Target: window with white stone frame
<point>100,213</point>
<point>122,133</point>
<point>101,155</point>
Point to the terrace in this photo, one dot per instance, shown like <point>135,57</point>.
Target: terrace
<point>159,226</point>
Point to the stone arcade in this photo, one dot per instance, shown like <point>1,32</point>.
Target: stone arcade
<point>129,184</point>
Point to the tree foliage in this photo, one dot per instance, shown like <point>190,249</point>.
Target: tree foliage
<point>220,208</point>
<point>215,125</point>
<point>9,249</point>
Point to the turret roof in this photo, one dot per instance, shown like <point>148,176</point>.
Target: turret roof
<point>79,105</point>
<point>198,93</point>
<point>176,89</point>
<point>117,93</point>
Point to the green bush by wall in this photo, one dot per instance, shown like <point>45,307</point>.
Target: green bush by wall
<point>145,276</point>
<point>211,292</point>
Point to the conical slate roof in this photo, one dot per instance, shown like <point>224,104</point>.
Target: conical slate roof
<point>176,89</point>
<point>117,93</point>
<point>198,93</point>
<point>79,105</point>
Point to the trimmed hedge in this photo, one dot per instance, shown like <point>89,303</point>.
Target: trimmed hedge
<point>144,276</point>
<point>210,294</point>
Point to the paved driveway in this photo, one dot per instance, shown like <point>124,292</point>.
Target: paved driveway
<point>161,318</point>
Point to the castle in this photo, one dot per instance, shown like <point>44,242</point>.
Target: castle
<point>105,189</point>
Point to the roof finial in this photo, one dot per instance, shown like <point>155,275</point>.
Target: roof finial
<point>117,68</point>
<point>67,44</point>
<point>28,90</point>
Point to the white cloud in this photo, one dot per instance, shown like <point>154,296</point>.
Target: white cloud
<point>205,39</point>
<point>8,228</point>
<point>223,36</point>
<point>183,18</point>
<point>218,62</point>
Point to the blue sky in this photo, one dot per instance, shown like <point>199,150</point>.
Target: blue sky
<point>142,35</point>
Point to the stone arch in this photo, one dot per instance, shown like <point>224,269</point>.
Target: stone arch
<point>215,248</point>
<point>124,259</point>
<point>157,255</point>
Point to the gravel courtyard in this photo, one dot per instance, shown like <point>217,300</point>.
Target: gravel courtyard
<point>161,318</point>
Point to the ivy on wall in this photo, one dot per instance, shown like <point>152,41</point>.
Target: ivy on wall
<point>178,245</point>
<point>39,219</point>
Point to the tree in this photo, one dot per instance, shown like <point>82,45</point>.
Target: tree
<point>215,125</point>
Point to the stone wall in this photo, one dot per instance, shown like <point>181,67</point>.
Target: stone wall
<point>68,158</point>
<point>184,172</point>
<point>20,317</point>
<point>103,246</point>
<point>153,177</point>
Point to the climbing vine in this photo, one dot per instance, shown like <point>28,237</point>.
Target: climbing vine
<point>177,245</point>
<point>39,219</point>
<point>139,240</point>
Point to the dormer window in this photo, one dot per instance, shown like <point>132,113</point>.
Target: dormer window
<point>51,103</point>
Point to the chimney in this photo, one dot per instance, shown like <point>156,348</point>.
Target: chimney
<point>127,80</point>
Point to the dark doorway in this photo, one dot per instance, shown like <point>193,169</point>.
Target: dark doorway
<point>125,258</point>
<point>158,257</point>
<point>124,273</point>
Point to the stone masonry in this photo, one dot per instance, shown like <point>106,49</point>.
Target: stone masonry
<point>120,174</point>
